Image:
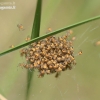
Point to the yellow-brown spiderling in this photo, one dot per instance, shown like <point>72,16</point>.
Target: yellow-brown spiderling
<point>73,38</point>
<point>80,52</point>
<point>97,43</point>
<point>12,46</point>
<point>49,29</point>
<point>20,26</point>
<point>28,38</point>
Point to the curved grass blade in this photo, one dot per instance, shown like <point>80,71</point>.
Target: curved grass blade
<point>49,34</point>
<point>34,34</point>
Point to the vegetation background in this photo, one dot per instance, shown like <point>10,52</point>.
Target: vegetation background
<point>82,82</point>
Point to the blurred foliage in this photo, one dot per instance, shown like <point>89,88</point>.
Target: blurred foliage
<point>83,81</point>
<point>34,34</point>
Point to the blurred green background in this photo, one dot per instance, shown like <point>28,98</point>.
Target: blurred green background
<point>82,82</point>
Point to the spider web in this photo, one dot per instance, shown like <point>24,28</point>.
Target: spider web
<point>80,83</point>
<point>71,84</point>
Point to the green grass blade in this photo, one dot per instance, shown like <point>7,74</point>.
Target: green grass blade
<point>49,34</point>
<point>37,20</point>
<point>34,34</point>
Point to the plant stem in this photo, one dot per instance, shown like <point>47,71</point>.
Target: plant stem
<point>34,34</point>
<point>49,34</point>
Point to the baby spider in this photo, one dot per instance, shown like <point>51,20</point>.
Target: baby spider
<point>69,32</point>
<point>80,52</point>
<point>73,38</point>
<point>49,29</point>
<point>21,27</point>
<point>23,52</point>
<point>12,46</point>
<point>42,72</point>
<point>97,43</point>
<point>28,38</point>
<point>21,65</point>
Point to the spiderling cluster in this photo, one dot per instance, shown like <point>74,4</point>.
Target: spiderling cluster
<point>50,55</point>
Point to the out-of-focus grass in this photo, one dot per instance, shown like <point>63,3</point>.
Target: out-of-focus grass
<point>35,33</point>
<point>86,73</point>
